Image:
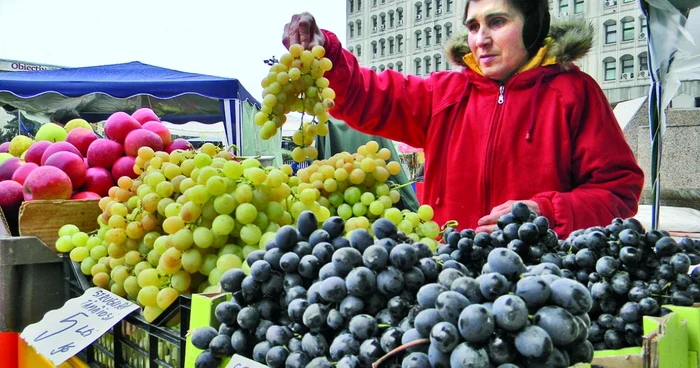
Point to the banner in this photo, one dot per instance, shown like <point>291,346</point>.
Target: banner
<point>20,66</point>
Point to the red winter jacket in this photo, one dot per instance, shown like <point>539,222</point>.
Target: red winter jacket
<point>548,135</point>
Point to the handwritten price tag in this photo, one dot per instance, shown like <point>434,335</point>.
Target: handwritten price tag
<point>238,361</point>
<point>64,332</point>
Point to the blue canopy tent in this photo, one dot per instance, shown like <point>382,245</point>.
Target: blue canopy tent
<point>98,91</point>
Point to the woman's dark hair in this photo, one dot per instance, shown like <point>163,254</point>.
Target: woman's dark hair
<point>536,24</point>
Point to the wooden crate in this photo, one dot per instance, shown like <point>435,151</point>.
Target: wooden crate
<point>43,218</point>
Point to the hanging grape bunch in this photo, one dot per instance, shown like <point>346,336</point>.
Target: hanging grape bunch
<point>296,83</point>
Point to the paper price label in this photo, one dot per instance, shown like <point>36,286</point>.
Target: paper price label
<point>238,361</point>
<point>64,332</point>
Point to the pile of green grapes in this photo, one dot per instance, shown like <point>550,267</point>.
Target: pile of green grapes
<point>193,215</point>
<point>296,83</point>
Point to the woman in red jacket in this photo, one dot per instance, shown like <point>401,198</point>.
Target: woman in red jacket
<point>520,122</point>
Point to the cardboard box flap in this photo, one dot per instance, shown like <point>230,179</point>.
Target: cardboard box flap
<point>43,219</point>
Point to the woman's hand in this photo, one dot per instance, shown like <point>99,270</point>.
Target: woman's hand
<point>304,31</point>
<point>488,223</point>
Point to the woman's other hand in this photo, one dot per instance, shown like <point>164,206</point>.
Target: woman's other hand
<point>304,31</point>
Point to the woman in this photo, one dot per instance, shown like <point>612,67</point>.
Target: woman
<point>520,122</point>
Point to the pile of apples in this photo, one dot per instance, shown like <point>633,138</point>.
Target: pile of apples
<point>73,162</point>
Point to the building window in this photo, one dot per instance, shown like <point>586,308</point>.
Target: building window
<point>610,31</point>
<point>438,62</point>
<point>563,7</point>
<point>359,28</point>
<point>374,68</point>
<point>643,24</point>
<point>628,29</point>
<point>374,3</point>
<point>359,53</point>
<point>374,49</point>
<point>578,6</point>
<point>391,46</point>
<point>351,30</point>
<point>448,6</point>
<point>428,8</point>
<point>399,13</point>
<point>609,67</point>
<point>418,38</point>
<point>417,64</point>
<point>359,5</point>
<point>399,43</point>
<point>627,64</point>
<point>419,11</point>
<point>382,22</point>
<point>374,24</point>
<point>381,67</point>
<point>438,6</point>
<point>391,20</point>
<point>427,37</point>
<point>399,67</point>
<point>390,66</point>
<point>448,30</point>
<point>643,61</point>
<point>351,2</point>
<point>427,65</point>
<point>351,49</point>
<point>438,35</point>
<point>382,47</point>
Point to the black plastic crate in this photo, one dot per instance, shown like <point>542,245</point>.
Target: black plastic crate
<point>133,342</point>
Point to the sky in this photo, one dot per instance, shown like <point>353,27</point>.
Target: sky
<point>227,38</point>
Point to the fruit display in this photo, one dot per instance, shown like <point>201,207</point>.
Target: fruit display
<point>313,298</point>
<point>296,83</point>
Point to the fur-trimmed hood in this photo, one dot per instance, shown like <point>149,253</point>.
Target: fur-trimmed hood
<point>572,39</point>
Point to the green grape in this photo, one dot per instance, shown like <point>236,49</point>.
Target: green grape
<point>182,239</point>
<point>250,234</point>
<point>116,236</point>
<point>166,297</point>
<point>150,238</point>
<point>181,281</point>
<point>227,249</point>
<point>143,265</point>
<point>209,211</point>
<point>413,218</point>
<point>132,258</point>
<point>274,211</point>
<point>64,244</point>
<point>93,242</point>
<point>223,225</point>
<point>161,243</point>
<point>216,185</point>
<point>376,208</point>
<point>367,198</point>
<point>205,174</point>
<point>154,178</point>
<point>246,213</point>
<point>345,211</point>
<point>80,239</point>
<point>256,175</point>
<point>198,194</point>
<point>382,190</point>
<point>203,237</point>
<point>243,193</point>
<point>352,195</point>
<point>215,276</point>
<point>208,264</point>
<point>249,249</point>
<point>394,215</point>
<point>336,199</point>
<point>359,209</point>
<point>425,212</point>
<point>78,254</point>
<point>202,160</point>
<point>150,313</point>
<point>165,189</point>
<point>261,220</point>
<point>148,277</point>
<point>224,204</point>
<point>68,229</point>
<point>173,209</point>
<point>405,226</point>
<point>147,296</point>
<point>395,196</point>
<point>131,285</point>
<point>163,204</point>
<point>191,260</point>
<point>431,229</point>
<point>98,252</point>
<point>250,163</point>
<point>228,261</point>
<point>233,169</point>
<point>153,257</point>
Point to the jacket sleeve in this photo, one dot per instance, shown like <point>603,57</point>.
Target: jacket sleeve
<point>386,104</point>
<point>607,182</point>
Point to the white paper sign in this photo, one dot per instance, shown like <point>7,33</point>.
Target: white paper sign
<point>64,332</point>
<point>238,361</point>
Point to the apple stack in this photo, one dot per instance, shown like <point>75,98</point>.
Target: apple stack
<point>73,162</point>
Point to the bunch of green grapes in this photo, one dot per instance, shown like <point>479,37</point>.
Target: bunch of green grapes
<point>188,218</point>
<point>296,83</point>
<point>354,187</point>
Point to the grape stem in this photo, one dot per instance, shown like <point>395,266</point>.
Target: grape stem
<point>234,147</point>
<point>400,349</point>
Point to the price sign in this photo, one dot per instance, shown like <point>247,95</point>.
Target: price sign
<point>64,332</point>
<point>238,361</point>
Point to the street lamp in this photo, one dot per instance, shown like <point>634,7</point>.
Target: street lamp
<point>271,61</point>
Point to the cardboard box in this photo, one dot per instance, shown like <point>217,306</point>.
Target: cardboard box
<point>201,315</point>
<point>43,219</point>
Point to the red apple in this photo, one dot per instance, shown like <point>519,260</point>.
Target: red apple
<point>85,195</point>
<point>144,115</point>
<point>161,130</point>
<point>35,151</point>
<point>47,182</point>
<point>21,173</point>
<point>124,166</point>
<point>103,153</point>
<point>179,143</point>
<point>119,124</point>
<point>81,139</point>
<point>11,197</point>
<point>5,147</point>
<point>98,180</point>
<point>71,164</point>
<point>8,168</point>
<point>140,138</point>
<point>58,147</point>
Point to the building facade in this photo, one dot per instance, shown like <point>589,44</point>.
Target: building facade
<point>409,36</point>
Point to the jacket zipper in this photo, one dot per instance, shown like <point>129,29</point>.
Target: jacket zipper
<point>495,122</point>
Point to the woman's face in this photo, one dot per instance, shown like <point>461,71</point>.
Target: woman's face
<point>496,38</point>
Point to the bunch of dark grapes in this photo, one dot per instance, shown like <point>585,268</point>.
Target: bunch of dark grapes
<point>318,299</point>
<point>509,316</point>
<point>630,273</point>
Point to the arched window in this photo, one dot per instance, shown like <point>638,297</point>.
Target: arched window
<point>351,49</point>
<point>391,18</point>
<point>428,8</point>
<point>417,65</point>
<point>399,43</point>
<point>438,62</point>
<point>427,60</point>
<point>357,48</point>
<point>610,31</point>
<point>391,44</point>
<point>399,66</point>
<point>627,65</point>
<point>627,28</point>
<point>381,67</point>
<point>374,68</point>
<point>438,34</point>
<point>390,66</point>
<point>350,5</point>
<point>419,38</point>
<point>419,10</point>
<point>382,22</point>
<point>643,61</point>
<point>359,27</point>
<point>643,25</point>
<point>609,69</point>
<point>448,30</point>
<point>399,16</point>
<point>374,23</point>
<point>374,49</point>
<point>382,47</point>
<point>351,29</point>
<point>427,36</point>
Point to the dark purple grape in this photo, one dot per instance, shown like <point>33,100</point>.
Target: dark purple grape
<point>450,305</point>
<point>614,339</point>
<point>493,285</point>
<point>468,287</point>
<point>560,325</point>
<point>363,326</point>
<point>361,282</point>
<point>206,360</point>
<point>241,342</point>
<point>297,359</point>
<point>415,360</point>
<point>384,228</point>
<point>510,313</point>
<point>427,295</point>
<point>390,281</point>
<point>202,337</point>
<point>533,290</point>
<point>506,262</point>
<point>320,236</point>
<point>227,312</point>
<point>413,279</point>
<point>260,351</point>
<point>533,342</point>
<point>303,248</point>
<point>344,344</point>
<point>315,316</point>
<point>571,295</point>
<point>680,263</point>
<point>370,351</point>
<point>361,239</point>
<point>314,345</point>
<point>334,319</point>
<point>320,362</point>
<point>345,259</point>
<point>430,268</point>
<point>296,309</point>
<point>437,358</point>
<point>682,298</point>
<point>426,319</point>
<point>333,289</point>
<point>323,250</point>
<point>375,257</point>
<point>391,339</point>
<point>476,323</point>
<point>621,283</point>
<point>276,357</point>
<point>349,361</point>
<point>468,355</point>
<point>666,246</point>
